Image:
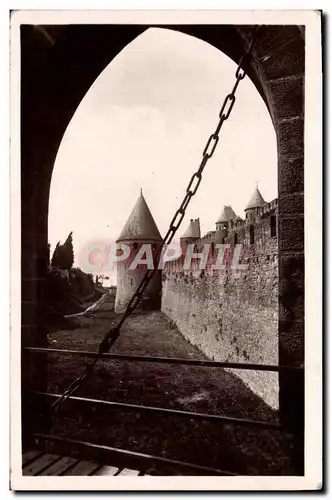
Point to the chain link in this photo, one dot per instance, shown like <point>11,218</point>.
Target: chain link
<point>210,147</point>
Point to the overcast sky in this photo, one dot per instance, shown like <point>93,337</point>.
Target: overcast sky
<point>144,123</point>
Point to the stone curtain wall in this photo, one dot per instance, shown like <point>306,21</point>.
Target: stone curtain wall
<point>232,315</point>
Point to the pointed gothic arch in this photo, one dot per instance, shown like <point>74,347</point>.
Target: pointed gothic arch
<point>58,66</point>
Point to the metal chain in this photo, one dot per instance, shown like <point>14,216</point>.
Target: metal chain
<point>112,335</point>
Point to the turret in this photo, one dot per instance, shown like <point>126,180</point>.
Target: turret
<point>227,214</point>
<point>256,202</point>
<point>139,229</point>
<point>192,233</point>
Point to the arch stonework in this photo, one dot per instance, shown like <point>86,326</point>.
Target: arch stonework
<point>58,66</point>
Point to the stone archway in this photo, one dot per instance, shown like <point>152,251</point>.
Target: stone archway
<point>58,66</point>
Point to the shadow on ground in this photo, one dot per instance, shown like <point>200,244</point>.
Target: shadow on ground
<point>239,449</point>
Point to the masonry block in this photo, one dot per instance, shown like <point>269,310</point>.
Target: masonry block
<point>291,203</point>
<point>290,175</point>
<point>291,310</point>
<point>288,96</point>
<point>291,342</point>
<point>288,59</point>
<point>291,268</point>
<point>290,136</point>
<point>291,233</point>
<point>271,38</point>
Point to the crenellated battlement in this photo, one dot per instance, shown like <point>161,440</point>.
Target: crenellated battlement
<point>260,223</point>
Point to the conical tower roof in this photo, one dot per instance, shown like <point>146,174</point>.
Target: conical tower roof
<point>256,200</point>
<point>226,215</point>
<point>193,230</point>
<point>140,225</point>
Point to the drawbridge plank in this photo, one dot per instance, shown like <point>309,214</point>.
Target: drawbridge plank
<point>60,467</point>
<point>107,470</point>
<point>37,466</point>
<point>83,468</point>
<point>29,456</point>
<point>38,463</point>
<point>128,472</point>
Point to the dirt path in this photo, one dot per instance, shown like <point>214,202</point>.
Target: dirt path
<point>243,450</point>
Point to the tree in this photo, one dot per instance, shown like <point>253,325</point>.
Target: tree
<point>67,257</point>
<point>63,255</point>
<point>55,257</point>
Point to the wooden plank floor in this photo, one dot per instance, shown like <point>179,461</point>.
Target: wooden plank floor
<point>36,463</point>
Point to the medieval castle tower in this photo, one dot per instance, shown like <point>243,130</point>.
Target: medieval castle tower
<point>139,229</point>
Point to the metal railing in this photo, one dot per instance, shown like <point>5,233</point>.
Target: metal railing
<point>172,361</point>
<point>153,460</point>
